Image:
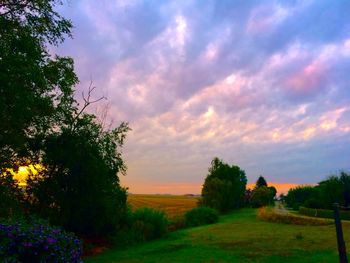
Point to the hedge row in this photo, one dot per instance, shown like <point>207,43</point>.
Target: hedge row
<point>323,213</point>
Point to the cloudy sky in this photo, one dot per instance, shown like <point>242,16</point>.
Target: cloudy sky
<point>261,84</point>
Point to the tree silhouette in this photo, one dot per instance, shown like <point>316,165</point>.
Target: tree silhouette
<point>260,182</point>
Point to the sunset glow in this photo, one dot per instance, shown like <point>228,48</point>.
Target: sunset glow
<point>187,188</point>
<point>23,171</point>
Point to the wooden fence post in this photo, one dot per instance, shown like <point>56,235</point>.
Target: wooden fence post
<point>340,238</point>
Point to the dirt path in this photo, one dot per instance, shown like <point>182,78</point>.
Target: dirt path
<point>280,208</point>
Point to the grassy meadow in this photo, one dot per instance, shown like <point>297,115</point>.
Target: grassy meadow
<point>238,237</point>
<point>172,205</point>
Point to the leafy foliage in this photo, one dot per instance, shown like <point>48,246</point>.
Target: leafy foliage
<point>34,86</point>
<point>224,186</point>
<point>39,16</point>
<point>273,192</point>
<point>299,195</point>
<point>11,196</point>
<point>201,216</point>
<point>36,241</point>
<point>335,189</point>
<point>147,224</point>
<point>262,196</point>
<point>330,191</point>
<point>81,190</point>
<point>41,122</point>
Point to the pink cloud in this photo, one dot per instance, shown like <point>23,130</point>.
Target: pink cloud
<point>309,80</point>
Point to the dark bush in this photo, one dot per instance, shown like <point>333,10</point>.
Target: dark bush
<point>36,241</point>
<point>323,213</point>
<point>201,216</point>
<point>147,224</point>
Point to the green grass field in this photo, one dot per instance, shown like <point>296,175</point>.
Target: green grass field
<point>238,237</point>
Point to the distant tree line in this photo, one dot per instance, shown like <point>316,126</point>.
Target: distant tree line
<point>335,189</point>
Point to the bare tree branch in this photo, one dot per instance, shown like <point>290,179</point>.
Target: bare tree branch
<point>87,102</point>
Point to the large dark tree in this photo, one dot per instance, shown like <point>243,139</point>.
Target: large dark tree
<point>79,188</point>
<point>34,85</point>
<point>40,122</point>
<point>224,186</point>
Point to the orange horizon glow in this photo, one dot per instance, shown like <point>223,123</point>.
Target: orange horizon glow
<point>192,188</point>
<point>152,188</point>
<point>282,188</point>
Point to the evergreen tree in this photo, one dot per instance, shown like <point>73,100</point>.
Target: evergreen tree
<point>260,182</point>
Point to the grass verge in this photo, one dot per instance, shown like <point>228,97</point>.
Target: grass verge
<point>238,237</point>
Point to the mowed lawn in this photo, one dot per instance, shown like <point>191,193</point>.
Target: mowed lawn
<point>172,205</point>
<point>238,237</point>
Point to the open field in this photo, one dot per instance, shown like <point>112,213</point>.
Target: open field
<point>238,237</point>
<point>172,205</point>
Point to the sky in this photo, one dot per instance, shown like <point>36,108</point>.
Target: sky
<point>260,84</point>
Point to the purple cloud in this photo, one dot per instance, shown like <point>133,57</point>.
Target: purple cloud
<point>263,85</point>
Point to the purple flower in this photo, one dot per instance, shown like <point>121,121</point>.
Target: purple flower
<point>51,240</point>
<point>38,238</point>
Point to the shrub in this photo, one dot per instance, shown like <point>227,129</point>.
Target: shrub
<point>323,213</point>
<point>201,216</point>
<point>148,223</point>
<point>36,241</point>
<point>268,214</point>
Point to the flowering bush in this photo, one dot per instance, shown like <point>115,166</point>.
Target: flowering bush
<point>36,241</point>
